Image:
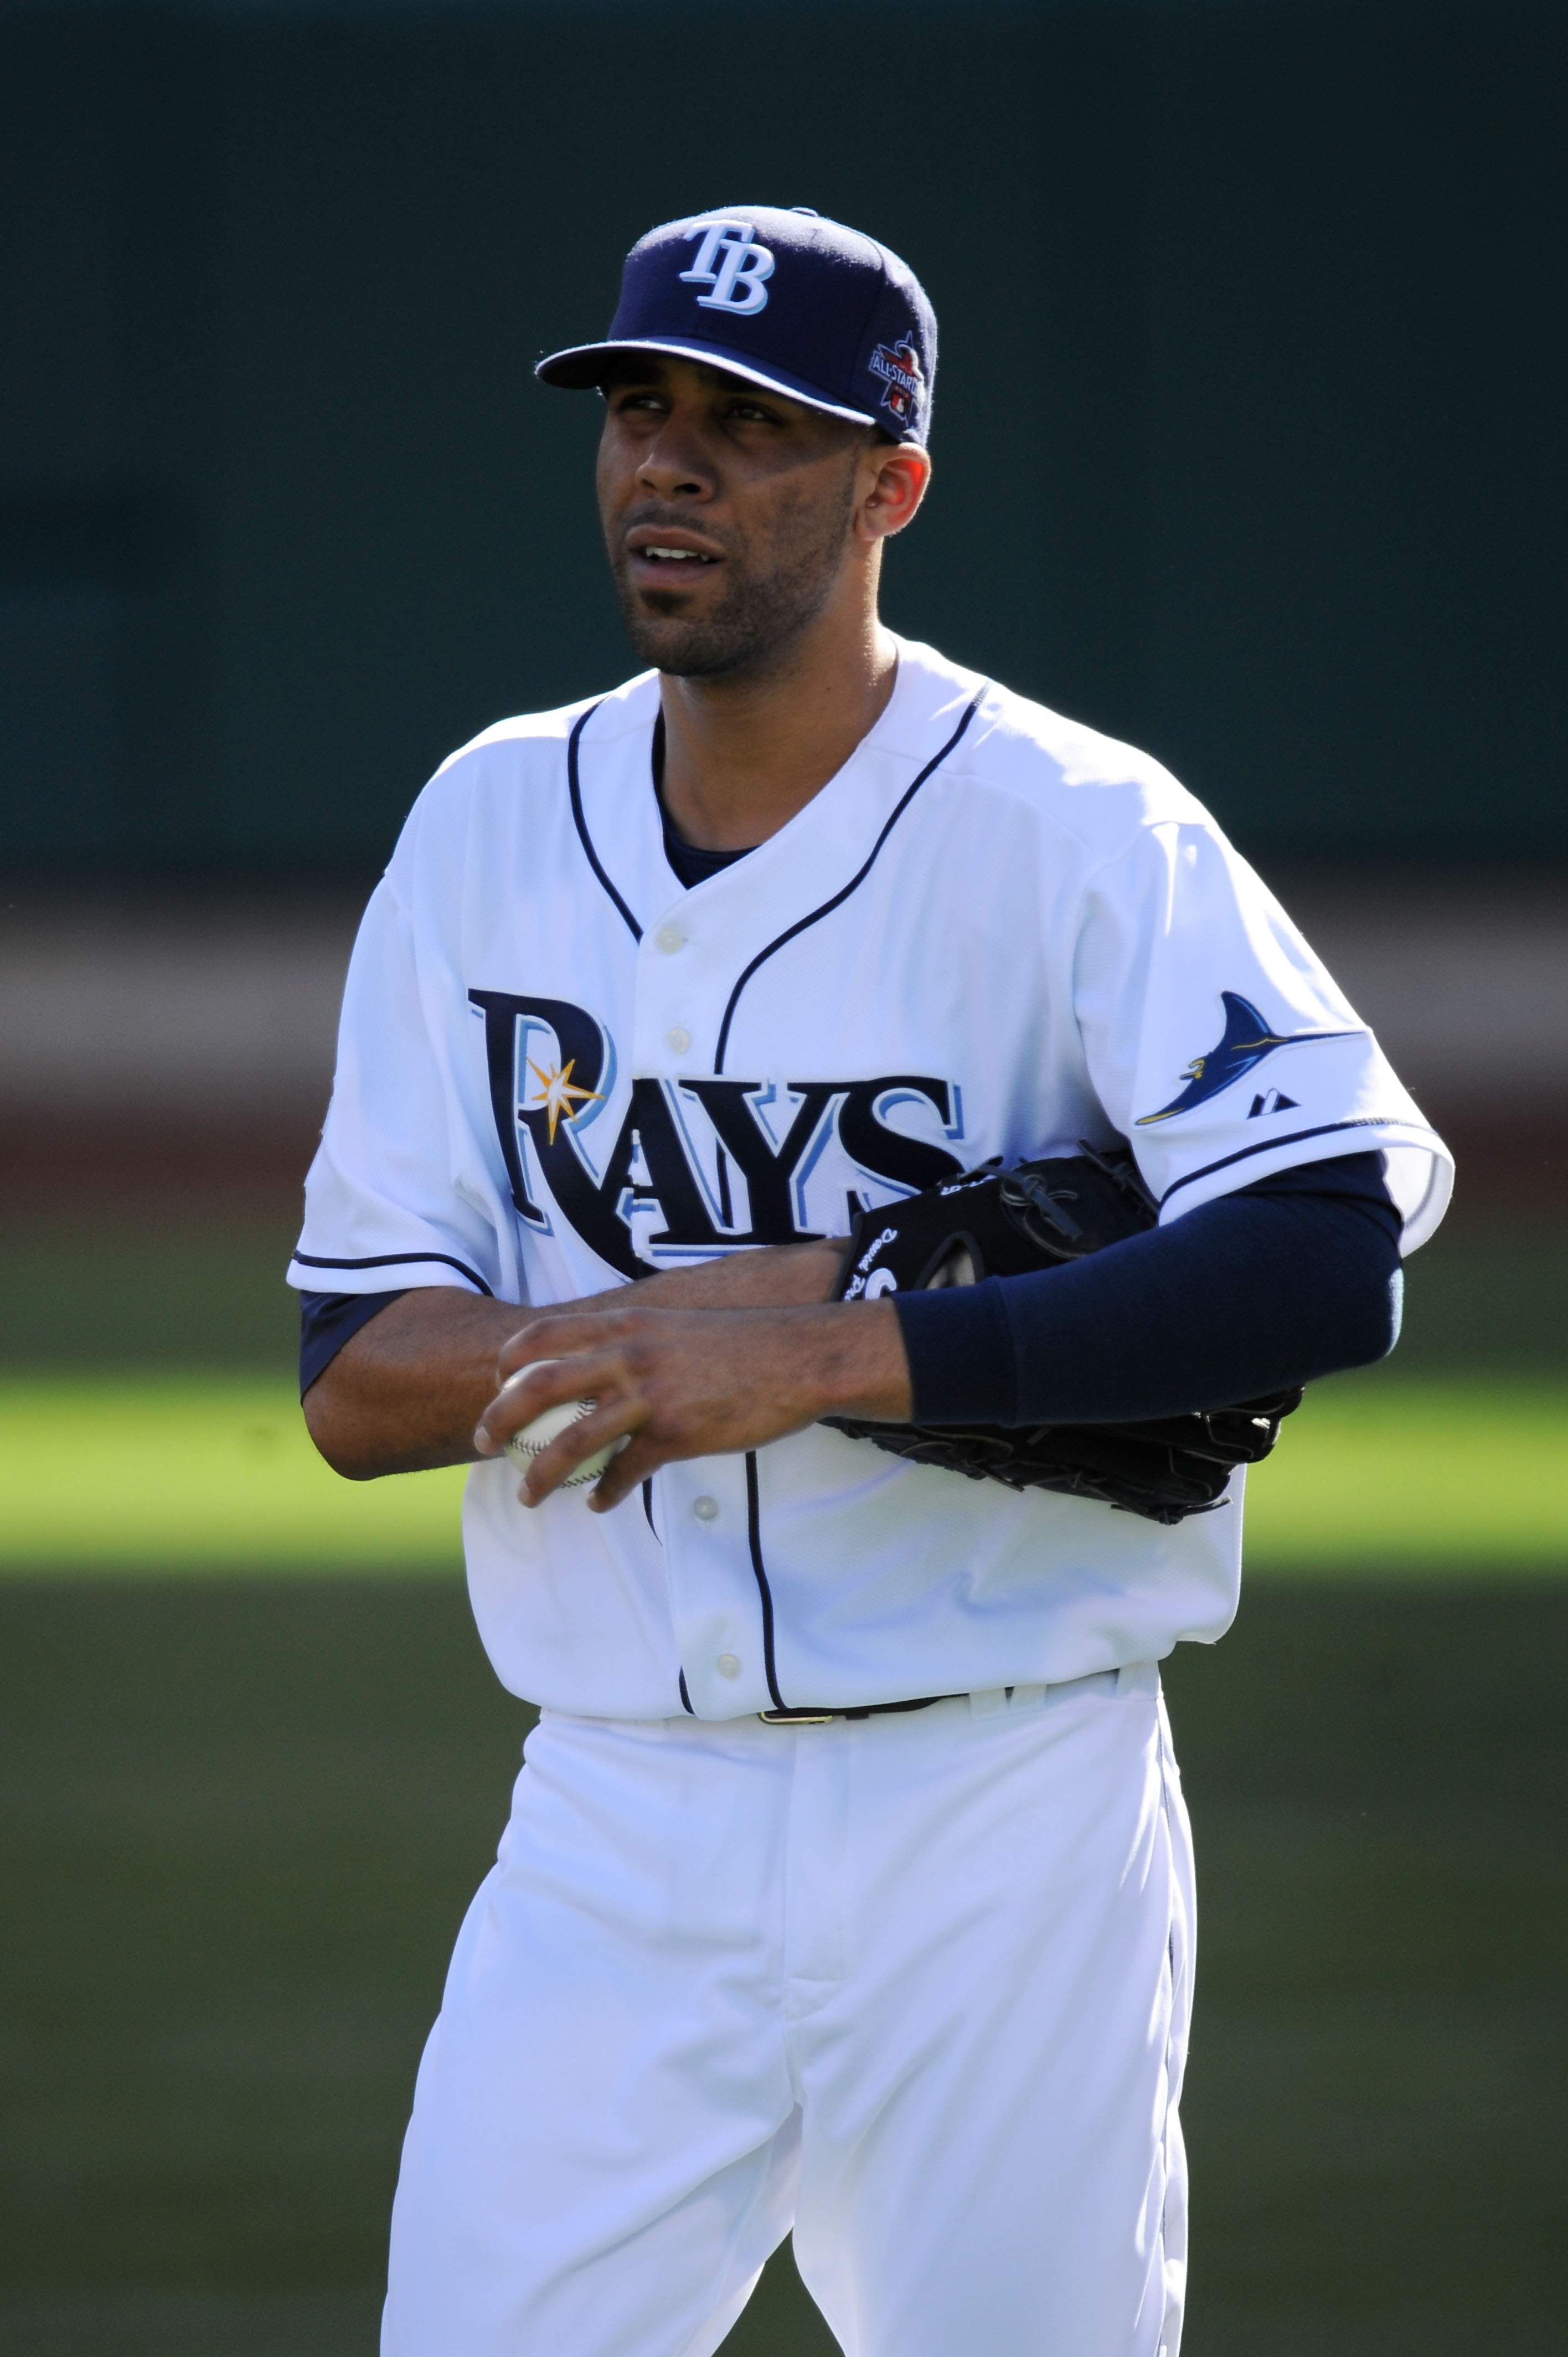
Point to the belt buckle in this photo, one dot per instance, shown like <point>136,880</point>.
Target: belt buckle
<point>797,1718</point>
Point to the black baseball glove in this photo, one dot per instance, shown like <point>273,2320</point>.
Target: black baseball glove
<point>995,1222</point>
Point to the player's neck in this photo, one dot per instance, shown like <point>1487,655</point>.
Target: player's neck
<point>745,752</point>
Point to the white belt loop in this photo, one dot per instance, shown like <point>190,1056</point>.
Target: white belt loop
<point>995,1699</point>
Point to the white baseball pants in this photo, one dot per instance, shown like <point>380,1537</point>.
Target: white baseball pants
<point>918,1985</point>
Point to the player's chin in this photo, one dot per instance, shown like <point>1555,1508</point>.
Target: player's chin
<point>649,597</point>
<point>677,628</point>
<point>677,606</point>
<point>692,640</point>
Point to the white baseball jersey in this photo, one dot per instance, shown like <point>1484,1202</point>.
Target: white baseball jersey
<point>993,932</point>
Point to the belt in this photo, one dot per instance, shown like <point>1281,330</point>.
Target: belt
<point>984,1704</point>
<point>870,1710</point>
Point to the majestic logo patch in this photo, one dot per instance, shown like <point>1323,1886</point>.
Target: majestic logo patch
<point>903,383</point>
<point>1246,1040</point>
<point>695,1165</point>
<point>730,260</point>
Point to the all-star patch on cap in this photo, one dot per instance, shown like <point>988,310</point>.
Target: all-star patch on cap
<point>784,299</point>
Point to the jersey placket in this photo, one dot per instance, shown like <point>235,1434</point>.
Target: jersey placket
<point>704,1509</point>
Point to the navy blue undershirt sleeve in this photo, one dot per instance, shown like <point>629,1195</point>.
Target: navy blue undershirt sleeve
<point>1295,1276</point>
<point>328,1320</point>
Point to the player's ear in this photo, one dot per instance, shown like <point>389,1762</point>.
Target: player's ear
<point>895,475</point>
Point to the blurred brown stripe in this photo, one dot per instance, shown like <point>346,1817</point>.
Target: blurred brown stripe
<point>1512,1157</point>
<point>74,1160</point>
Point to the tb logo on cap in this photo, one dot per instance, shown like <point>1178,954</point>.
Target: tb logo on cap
<point>729,263</point>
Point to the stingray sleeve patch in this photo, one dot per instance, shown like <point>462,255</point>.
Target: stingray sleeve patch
<point>1245,1041</point>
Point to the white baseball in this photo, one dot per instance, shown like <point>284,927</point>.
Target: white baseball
<point>525,1446</point>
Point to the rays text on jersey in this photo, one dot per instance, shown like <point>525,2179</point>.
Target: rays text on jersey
<point>697,1165</point>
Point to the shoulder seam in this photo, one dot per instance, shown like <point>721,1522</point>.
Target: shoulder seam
<point>962,772</point>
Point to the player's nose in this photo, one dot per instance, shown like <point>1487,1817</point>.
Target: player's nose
<point>674,464</point>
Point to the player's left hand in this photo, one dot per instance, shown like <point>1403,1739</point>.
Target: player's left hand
<point>692,1382</point>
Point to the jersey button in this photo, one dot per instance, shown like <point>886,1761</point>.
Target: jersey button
<point>728,1666</point>
<point>679,1038</point>
<point>670,938</point>
<point>707,1510</point>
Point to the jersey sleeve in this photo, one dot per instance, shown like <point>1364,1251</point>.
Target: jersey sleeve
<point>1220,1046</point>
<point>382,1208</point>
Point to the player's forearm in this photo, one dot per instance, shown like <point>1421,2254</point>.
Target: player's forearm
<point>397,1398</point>
<point>776,1276</point>
<point>406,1391</point>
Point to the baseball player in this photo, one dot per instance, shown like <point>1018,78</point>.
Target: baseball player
<point>847,1885</point>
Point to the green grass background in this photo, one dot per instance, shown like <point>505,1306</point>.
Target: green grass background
<point>164,1473</point>
<point>149,1422</point>
<point>240,1814</point>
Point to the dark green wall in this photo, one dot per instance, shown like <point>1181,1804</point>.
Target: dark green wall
<point>1249,425</point>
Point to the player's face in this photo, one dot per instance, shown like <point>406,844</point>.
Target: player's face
<point>728,513</point>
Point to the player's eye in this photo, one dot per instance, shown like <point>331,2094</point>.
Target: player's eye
<point>751,413</point>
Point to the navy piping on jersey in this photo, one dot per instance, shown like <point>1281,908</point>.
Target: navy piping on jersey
<point>854,882</point>
<point>647,1510</point>
<point>399,1260</point>
<point>1267,1146</point>
<point>754,1534</point>
<point>582,824</point>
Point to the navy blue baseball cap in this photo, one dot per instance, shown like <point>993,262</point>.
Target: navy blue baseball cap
<point>784,299</point>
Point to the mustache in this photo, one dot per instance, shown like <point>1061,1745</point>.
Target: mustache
<point>663,517</point>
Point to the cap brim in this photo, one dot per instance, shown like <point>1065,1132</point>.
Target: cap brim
<point>580,367</point>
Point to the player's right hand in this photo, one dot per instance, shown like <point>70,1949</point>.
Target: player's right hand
<point>692,1383</point>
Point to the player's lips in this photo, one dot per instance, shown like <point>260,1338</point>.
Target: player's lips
<point>666,554</point>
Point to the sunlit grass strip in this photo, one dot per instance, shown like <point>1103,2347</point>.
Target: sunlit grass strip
<point>200,1474</point>
<point>170,1474</point>
<point>1429,1476</point>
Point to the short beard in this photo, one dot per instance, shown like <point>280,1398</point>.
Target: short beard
<point>758,619</point>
